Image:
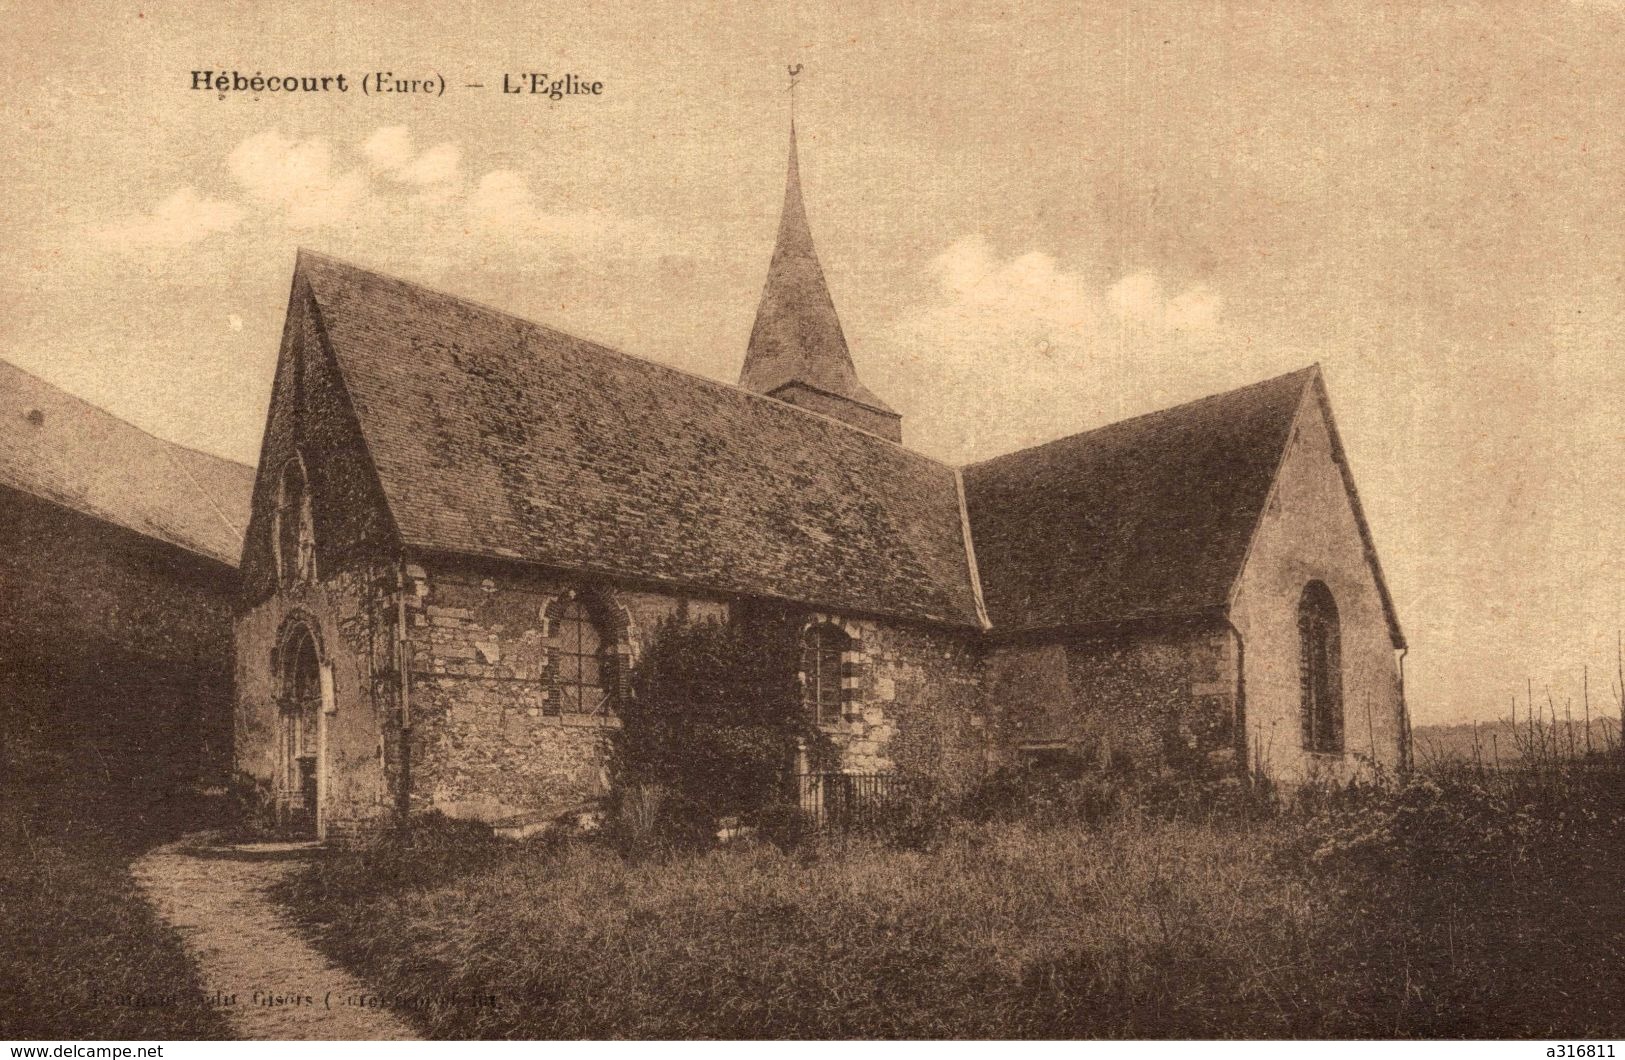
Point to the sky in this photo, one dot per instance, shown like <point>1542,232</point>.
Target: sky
<point>1035,219</point>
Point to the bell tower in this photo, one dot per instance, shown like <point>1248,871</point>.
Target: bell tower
<point>797,351</point>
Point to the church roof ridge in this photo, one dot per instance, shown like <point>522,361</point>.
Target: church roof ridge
<point>498,436</point>
<point>1307,372</point>
<point>641,358</point>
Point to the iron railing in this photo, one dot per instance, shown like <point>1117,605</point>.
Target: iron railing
<point>849,801</point>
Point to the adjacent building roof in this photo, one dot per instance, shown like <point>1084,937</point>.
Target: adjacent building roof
<point>494,436</point>
<point>797,337</point>
<point>1147,518</point>
<point>69,452</point>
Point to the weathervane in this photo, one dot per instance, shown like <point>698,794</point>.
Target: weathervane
<point>795,72</point>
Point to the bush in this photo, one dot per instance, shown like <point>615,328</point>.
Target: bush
<point>914,821</point>
<point>252,810</point>
<point>713,724</point>
<point>782,824</point>
<point>1174,796</point>
<point>1482,827</point>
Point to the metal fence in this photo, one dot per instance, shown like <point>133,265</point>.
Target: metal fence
<point>849,801</point>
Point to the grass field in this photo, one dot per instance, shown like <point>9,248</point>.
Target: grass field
<point>86,957</point>
<point>1461,905</point>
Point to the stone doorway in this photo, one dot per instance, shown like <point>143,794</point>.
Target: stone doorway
<point>306,682</point>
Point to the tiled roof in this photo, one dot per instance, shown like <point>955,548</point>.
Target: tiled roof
<point>67,451</point>
<point>494,436</point>
<point>1147,518</point>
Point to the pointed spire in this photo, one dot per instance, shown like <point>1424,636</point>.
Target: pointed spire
<point>797,338</point>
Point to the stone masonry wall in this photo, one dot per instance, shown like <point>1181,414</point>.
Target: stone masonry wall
<point>914,704</point>
<point>1140,701</point>
<point>115,659</point>
<point>351,607</point>
<point>352,614</point>
<point>311,417</point>
<point>1308,532</point>
<point>489,742</point>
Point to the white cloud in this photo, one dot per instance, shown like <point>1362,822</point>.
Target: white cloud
<point>1141,297</point>
<point>503,206</point>
<point>439,163</point>
<point>1137,296</point>
<point>182,218</point>
<point>389,147</point>
<point>1026,347</point>
<point>297,177</point>
<point>1195,310</point>
<point>384,201</point>
<point>390,150</point>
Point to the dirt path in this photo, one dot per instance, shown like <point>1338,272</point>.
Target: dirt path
<point>214,896</point>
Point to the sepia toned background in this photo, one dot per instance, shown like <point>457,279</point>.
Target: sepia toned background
<point>1036,218</point>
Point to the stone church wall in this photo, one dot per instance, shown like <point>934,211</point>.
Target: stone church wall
<point>1140,701</point>
<point>310,415</point>
<point>488,742</point>
<point>915,706</point>
<point>353,615</point>
<point>350,608</point>
<point>1308,532</point>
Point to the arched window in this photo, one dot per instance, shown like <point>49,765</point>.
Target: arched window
<point>580,684</point>
<point>822,648</point>
<point>293,531</point>
<point>1320,670</point>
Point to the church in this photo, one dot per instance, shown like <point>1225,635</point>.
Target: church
<point>466,525</point>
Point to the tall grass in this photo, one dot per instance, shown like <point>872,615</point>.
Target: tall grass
<point>1438,908</point>
<point>85,955</point>
<point>996,932</point>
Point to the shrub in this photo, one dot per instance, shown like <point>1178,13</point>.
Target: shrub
<point>713,724</point>
<point>1175,796</point>
<point>915,821</point>
<point>782,824</point>
<point>251,810</point>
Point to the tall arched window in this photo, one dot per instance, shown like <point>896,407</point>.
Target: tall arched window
<point>577,663</point>
<point>1320,670</point>
<point>293,531</point>
<point>822,647</point>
